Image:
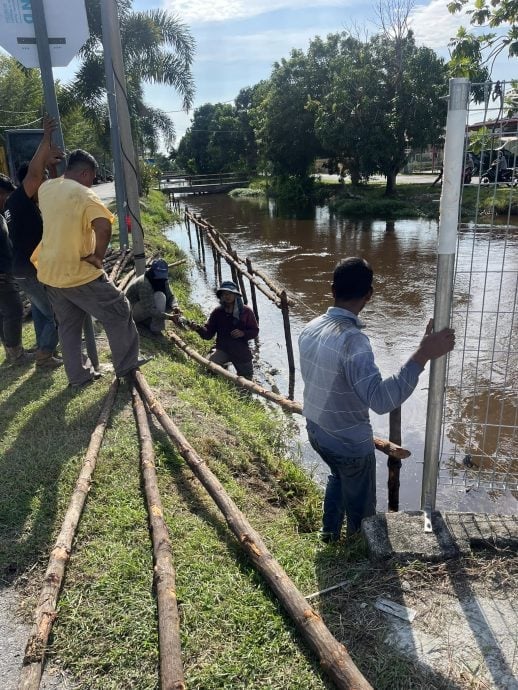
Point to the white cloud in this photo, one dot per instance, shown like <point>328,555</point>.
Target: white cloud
<point>434,26</point>
<point>202,11</point>
<point>269,45</point>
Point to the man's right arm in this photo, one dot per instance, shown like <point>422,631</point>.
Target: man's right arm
<point>46,154</point>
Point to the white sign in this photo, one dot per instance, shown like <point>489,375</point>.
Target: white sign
<point>67,29</point>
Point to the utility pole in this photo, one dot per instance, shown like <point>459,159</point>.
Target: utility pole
<point>112,44</point>
<point>120,183</point>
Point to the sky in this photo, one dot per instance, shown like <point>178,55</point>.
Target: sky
<point>237,41</point>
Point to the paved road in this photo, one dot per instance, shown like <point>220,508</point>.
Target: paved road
<point>105,191</point>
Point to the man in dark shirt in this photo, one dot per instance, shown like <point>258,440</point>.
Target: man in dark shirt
<point>233,324</point>
<point>25,230</point>
<point>11,308</point>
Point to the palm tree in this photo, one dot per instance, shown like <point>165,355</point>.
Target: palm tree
<point>157,48</point>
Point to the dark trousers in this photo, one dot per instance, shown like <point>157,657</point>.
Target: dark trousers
<point>42,313</point>
<point>102,300</point>
<point>11,311</point>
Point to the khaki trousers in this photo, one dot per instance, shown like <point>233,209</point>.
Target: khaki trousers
<point>102,300</point>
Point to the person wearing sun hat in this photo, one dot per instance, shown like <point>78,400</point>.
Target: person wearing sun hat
<point>233,324</point>
<point>151,298</point>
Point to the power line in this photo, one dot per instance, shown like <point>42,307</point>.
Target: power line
<point>25,124</point>
<point>19,112</point>
<point>194,108</point>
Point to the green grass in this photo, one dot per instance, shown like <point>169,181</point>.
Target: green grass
<point>234,632</point>
<point>417,201</point>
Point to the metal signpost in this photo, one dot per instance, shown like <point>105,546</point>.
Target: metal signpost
<point>47,33</point>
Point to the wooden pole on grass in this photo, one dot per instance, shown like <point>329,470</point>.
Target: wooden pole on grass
<point>171,668</point>
<point>333,656</point>
<point>45,614</point>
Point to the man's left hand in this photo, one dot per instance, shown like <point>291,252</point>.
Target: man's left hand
<point>236,333</point>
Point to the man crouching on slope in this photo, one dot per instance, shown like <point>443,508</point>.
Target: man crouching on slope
<point>341,384</point>
<point>76,233</point>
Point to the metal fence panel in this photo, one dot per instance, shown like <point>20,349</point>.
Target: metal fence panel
<point>480,418</point>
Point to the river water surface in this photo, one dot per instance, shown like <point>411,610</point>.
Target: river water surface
<point>300,255</point>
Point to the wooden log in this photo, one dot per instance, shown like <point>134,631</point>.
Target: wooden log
<point>286,404</point>
<point>124,283</point>
<point>45,613</point>
<point>292,406</point>
<point>125,261</point>
<point>393,462</point>
<point>116,266</point>
<point>171,667</point>
<point>241,282</point>
<point>176,263</point>
<point>333,656</point>
<point>252,291</point>
<point>287,331</point>
<point>229,259</point>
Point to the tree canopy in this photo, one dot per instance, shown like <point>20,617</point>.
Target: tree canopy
<point>157,48</point>
<point>473,53</point>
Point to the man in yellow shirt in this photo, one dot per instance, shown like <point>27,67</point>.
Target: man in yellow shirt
<point>76,233</point>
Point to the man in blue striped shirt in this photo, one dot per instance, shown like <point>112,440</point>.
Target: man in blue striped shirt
<point>341,384</point>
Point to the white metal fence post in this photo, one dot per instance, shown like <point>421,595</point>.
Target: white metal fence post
<point>448,223</point>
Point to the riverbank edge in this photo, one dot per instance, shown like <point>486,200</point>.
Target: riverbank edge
<point>410,200</point>
<point>234,633</point>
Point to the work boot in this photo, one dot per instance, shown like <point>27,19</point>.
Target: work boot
<point>46,360</point>
<point>17,356</point>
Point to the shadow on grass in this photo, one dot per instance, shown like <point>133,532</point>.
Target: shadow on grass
<point>31,467</point>
<point>350,615</point>
<point>181,476</point>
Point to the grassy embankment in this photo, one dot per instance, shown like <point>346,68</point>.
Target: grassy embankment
<point>410,200</point>
<point>234,634</point>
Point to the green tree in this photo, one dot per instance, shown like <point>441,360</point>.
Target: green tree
<point>22,105</point>
<point>384,98</point>
<point>285,122</point>
<point>220,139</point>
<point>490,14</point>
<point>22,94</point>
<point>157,48</point>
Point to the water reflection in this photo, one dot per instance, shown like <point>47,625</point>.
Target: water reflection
<point>300,254</point>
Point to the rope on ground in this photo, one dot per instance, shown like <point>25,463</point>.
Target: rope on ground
<point>45,614</point>
<point>333,656</point>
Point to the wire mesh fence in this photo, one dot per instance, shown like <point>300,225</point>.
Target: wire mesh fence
<point>480,419</point>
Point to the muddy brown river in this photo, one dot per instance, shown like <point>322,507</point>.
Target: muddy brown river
<point>300,255</point>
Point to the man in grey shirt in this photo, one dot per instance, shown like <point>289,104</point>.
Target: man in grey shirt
<point>341,384</point>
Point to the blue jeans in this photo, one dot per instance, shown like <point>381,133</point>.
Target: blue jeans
<point>350,491</point>
<point>42,313</point>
